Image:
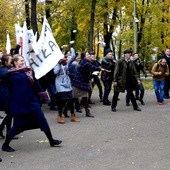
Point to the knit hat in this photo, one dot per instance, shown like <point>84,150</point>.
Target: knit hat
<point>107,51</point>
<point>128,51</point>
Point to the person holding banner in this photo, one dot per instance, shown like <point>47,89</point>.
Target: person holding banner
<point>25,105</point>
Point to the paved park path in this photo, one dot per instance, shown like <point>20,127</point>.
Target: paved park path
<point>122,140</point>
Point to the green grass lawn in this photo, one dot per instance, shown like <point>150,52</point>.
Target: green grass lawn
<point>147,84</point>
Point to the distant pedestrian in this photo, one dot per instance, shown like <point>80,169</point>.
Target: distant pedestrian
<point>159,71</point>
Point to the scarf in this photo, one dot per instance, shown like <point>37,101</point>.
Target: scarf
<point>27,70</point>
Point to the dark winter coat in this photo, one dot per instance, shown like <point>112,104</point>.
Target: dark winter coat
<point>82,78</point>
<point>4,90</point>
<point>109,65</point>
<point>120,76</point>
<point>23,95</point>
<point>139,66</point>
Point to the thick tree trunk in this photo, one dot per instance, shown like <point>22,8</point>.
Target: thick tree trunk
<point>92,19</point>
<point>34,16</point>
<point>27,14</point>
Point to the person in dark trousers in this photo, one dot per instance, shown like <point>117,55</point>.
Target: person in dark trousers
<point>95,79</point>
<point>4,94</point>
<point>72,71</point>
<point>139,92</point>
<point>108,64</point>
<point>166,56</point>
<point>24,104</point>
<point>63,86</point>
<point>125,78</point>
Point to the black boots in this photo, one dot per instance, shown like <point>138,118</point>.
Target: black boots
<point>85,103</point>
<point>88,114</point>
<point>1,134</point>
<point>7,148</point>
<point>52,141</point>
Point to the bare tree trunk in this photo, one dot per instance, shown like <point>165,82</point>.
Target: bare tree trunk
<point>27,14</point>
<point>92,19</point>
<point>142,23</point>
<point>108,32</point>
<point>47,9</point>
<point>34,16</point>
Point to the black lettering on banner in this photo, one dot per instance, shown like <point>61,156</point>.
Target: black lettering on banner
<point>47,29</point>
<point>32,62</point>
<point>52,44</point>
<point>39,58</point>
<point>44,53</point>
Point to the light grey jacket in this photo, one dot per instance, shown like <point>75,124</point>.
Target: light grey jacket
<point>62,80</point>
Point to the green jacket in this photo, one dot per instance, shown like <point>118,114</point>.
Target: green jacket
<point>120,75</point>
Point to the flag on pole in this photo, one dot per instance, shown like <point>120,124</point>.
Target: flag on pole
<point>8,44</point>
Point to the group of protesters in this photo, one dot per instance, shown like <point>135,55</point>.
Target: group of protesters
<point>70,85</point>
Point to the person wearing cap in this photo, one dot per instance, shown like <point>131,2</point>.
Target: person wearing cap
<point>108,65</point>
<point>125,78</point>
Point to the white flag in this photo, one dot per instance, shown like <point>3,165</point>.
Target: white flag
<point>8,44</point>
<point>25,50</point>
<point>47,51</point>
<point>19,36</point>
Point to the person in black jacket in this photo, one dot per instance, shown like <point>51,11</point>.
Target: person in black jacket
<point>95,78</point>
<point>167,78</point>
<point>108,64</point>
<point>139,92</point>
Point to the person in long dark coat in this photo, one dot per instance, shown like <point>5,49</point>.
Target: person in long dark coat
<point>4,94</point>
<point>24,103</point>
<point>125,78</point>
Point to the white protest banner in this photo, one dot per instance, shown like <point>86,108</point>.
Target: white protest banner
<point>8,44</point>
<point>25,50</point>
<point>47,51</point>
<point>19,36</point>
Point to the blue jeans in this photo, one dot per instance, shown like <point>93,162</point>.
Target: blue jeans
<point>159,89</point>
